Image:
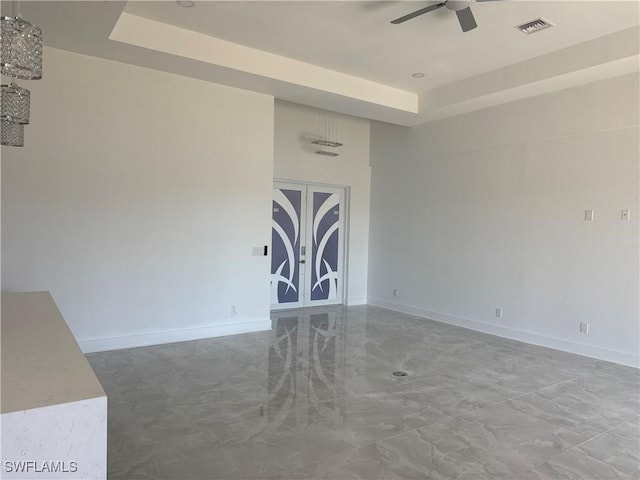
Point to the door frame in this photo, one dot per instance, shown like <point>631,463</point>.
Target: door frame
<point>343,258</point>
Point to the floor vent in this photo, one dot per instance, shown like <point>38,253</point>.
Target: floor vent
<point>534,26</point>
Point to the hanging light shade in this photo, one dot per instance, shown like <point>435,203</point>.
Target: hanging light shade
<point>21,48</point>
<point>14,107</point>
<point>328,132</point>
<point>11,134</point>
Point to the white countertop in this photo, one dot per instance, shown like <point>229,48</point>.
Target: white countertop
<point>42,364</point>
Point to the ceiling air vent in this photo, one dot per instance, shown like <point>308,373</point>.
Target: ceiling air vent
<point>534,25</point>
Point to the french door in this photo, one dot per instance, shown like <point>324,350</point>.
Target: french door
<point>307,245</point>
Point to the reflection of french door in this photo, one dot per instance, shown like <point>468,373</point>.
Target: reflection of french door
<point>306,369</point>
<point>307,245</point>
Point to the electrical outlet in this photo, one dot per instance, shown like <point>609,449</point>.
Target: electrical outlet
<point>588,215</point>
<point>584,327</point>
<point>499,312</point>
<point>234,309</point>
<point>395,292</point>
<point>624,215</point>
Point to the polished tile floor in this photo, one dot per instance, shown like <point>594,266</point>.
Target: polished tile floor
<point>317,398</point>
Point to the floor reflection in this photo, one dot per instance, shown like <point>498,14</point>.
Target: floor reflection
<point>315,398</point>
<point>306,359</point>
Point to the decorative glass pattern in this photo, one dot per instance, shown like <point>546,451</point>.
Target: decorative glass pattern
<point>21,44</point>
<point>326,216</point>
<point>14,106</point>
<point>12,134</point>
<point>285,246</point>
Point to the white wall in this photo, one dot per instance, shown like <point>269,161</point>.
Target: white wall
<point>295,127</point>
<point>486,210</point>
<point>137,200</point>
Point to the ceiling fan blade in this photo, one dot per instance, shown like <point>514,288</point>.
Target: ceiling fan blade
<point>417,13</point>
<point>465,17</point>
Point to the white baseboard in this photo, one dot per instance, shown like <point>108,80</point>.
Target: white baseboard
<point>170,336</point>
<point>601,353</point>
<point>352,301</point>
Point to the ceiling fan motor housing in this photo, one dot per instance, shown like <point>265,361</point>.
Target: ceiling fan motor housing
<point>456,5</point>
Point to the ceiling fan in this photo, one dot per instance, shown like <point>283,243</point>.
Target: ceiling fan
<point>461,7</point>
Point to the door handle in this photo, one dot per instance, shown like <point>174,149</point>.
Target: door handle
<point>301,261</point>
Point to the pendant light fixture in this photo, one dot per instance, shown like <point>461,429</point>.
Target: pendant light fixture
<point>328,134</point>
<point>21,49</point>
<point>15,104</point>
<point>20,57</point>
<point>11,134</point>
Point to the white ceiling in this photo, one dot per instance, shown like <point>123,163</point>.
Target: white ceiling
<point>358,38</point>
<point>347,57</point>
